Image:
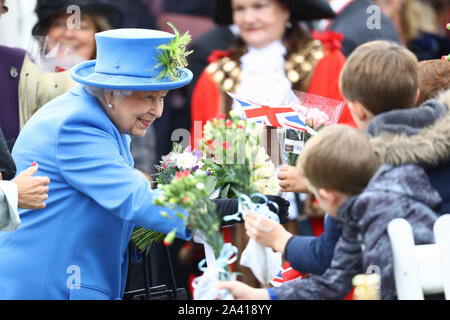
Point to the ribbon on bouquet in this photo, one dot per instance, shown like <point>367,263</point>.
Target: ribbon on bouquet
<point>247,206</point>
<point>263,261</point>
<point>213,273</point>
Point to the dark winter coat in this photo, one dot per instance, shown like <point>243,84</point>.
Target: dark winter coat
<point>420,136</point>
<point>7,165</point>
<point>394,192</point>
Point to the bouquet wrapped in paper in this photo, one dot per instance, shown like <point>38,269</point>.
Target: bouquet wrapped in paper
<point>315,112</point>
<point>263,261</point>
<point>242,168</point>
<point>218,270</point>
<point>233,155</point>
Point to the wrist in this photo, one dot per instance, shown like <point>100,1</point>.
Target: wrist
<point>282,240</point>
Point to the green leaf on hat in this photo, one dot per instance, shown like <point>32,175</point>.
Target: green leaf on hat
<point>173,56</point>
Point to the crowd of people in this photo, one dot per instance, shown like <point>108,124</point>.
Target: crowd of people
<point>85,116</point>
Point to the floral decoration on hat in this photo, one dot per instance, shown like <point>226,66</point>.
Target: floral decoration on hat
<point>173,58</point>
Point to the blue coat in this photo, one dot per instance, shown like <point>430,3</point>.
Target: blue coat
<point>310,254</point>
<point>76,248</point>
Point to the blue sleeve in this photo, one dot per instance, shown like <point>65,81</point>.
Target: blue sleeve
<point>90,161</point>
<point>314,254</point>
<point>272,294</point>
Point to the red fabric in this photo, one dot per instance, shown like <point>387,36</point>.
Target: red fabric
<point>59,69</point>
<point>205,101</point>
<point>325,81</point>
<point>226,232</point>
<point>217,54</point>
<point>330,39</point>
<point>205,104</point>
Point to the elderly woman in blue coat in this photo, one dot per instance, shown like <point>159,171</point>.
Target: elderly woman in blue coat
<point>76,248</point>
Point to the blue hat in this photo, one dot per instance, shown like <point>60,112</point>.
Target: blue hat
<point>128,59</point>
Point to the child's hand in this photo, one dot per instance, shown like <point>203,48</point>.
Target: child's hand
<point>241,291</point>
<point>291,180</point>
<point>267,232</point>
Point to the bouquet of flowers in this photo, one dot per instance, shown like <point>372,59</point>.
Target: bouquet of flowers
<point>186,191</point>
<point>313,110</point>
<point>177,160</point>
<point>174,166</point>
<point>235,158</point>
<point>243,170</point>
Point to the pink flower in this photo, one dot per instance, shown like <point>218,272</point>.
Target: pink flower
<point>178,175</point>
<point>317,117</point>
<point>186,173</point>
<point>226,145</point>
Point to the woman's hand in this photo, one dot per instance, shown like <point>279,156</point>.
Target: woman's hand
<point>32,190</point>
<point>241,291</point>
<point>267,232</point>
<point>291,180</point>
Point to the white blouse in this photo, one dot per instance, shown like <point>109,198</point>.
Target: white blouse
<point>263,79</point>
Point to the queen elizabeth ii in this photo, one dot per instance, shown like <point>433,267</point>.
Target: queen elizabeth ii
<point>76,248</point>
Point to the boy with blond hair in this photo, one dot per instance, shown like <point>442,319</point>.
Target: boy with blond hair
<point>380,82</point>
<point>343,172</point>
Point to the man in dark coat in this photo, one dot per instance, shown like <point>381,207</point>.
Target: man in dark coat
<point>360,21</point>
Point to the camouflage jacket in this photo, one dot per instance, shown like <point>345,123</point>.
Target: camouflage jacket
<point>394,192</point>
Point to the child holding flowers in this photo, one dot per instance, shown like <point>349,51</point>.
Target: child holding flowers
<point>353,197</point>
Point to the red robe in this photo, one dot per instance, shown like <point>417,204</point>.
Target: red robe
<point>205,103</point>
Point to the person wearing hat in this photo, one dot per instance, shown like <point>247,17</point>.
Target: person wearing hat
<point>57,20</point>
<point>24,190</point>
<point>64,42</point>
<point>272,54</point>
<point>76,248</point>
<point>26,85</point>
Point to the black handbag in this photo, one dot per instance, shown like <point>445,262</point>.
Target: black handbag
<point>161,292</point>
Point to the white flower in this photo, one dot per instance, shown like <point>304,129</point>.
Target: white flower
<point>261,156</point>
<point>186,161</point>
<point>234,113</point>
<point>200,186</point>
<point>264,171</point>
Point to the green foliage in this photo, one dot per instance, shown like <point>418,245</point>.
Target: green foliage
<point>174,54</point>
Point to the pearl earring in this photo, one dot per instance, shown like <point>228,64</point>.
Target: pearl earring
<point>288,25</point>
<point>110,106</point>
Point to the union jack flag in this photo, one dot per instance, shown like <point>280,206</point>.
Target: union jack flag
<point>287,273</point>
<point>282,116</point>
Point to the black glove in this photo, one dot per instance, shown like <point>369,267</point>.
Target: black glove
<point>283,207</point>
<point>227,207</point>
